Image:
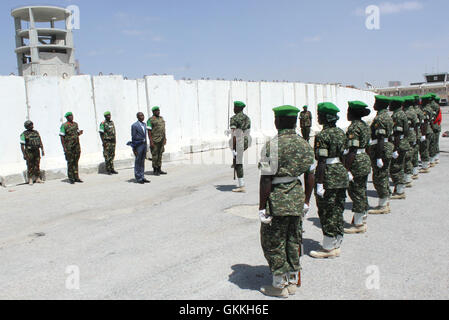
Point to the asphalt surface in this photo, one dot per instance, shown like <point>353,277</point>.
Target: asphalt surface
<point>187,236</point>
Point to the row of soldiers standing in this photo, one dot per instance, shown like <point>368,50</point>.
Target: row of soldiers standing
<point>33,148</point>
<point>390,148</point>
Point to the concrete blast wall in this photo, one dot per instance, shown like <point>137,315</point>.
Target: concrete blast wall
<point>196,113</point>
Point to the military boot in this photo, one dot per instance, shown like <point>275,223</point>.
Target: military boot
<point>241,187</point>
<point>425,168</point>
<point>382,208</point>
<point>39,181</point>
<point>161,172</point>
<point>358,225</point>
<point>30,181</point>
<point>293,279</point>
<point>278,288</point>
<point>156,171</point>
<point>325,254</point>
<point>399,193</point>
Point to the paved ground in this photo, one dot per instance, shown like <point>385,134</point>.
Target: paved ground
<point>186,236</point>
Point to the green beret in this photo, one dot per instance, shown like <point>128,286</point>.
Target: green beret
<point>397,99</point>
<point>432,94</point>
<point>357,105</point>
<point>328,108</point>
<point>437,98</point>
<point>382,98</point>
<point>409,99</point>
<point>286,111</point>
<point>107,113</point>
<point>68,114</point>
<point>155,108</point>
<point>305,107</point>
<point>416,96</point>
<point>239,104</point>
<point>427,97</point>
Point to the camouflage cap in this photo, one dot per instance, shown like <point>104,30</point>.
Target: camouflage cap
<point>239,104</point>
<point>357,105</point>
<point>328,108</point>
<point>286,111</point>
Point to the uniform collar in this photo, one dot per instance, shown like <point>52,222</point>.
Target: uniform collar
<point>286,131</point>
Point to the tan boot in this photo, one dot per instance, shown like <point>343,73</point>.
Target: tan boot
<point>398,196</point>
<point>424,170</point>
<point>30,181</point>
<point>239,189</point>
<point>380,210</point>
<point>292,289</point>
<point>415,177</point>
<point>274,292</point>
<point>356,229</point>
<point>325,254</point>
<point>409,185</point>
<point>432,165</point>
<point>39,180</point>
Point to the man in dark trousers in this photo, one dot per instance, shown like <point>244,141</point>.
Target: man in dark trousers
<point>305,123</point>
<point>140,147</point>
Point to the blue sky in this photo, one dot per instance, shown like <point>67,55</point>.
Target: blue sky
<point>308,41</point>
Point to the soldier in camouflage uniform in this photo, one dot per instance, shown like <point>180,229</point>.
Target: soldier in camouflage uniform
<point>417,151</point>
<point>283,201</point>
<point>426,132</point>
<point>413,123</point>
<point>332,181</point>
<point>240,125</point>
<point>434,145</point>
<point>305,123</point>
<point>158,139</point>
<point>70,133</point>
<point>401,147</point>
<point>31,145</point>
<point>108,138</point>
<point>381,151</point>
<point>358,164</point>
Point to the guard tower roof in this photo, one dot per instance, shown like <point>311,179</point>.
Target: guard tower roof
<point>41,13</point>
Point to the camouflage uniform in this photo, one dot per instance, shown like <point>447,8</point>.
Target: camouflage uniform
<point>413,121</point>
<point>401,130</point>
<point>382,126</point>
<point>243,122</point>
<point>358,136</point>
<point>157,127</point>
<point>424,147</point>
<point>434,144</point>
<point>70,132</point>
<point>418,148</point>
<point>330,144</point>
<point>107,131</point>
<point>32,143</point>
<point>286,155</point>
<point>305,123</point>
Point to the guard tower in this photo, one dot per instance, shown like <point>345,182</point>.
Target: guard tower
<point>41,48</point>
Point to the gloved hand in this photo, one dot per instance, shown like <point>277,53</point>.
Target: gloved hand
<point>350,176</point>
<point>346,152</point>
<point>264,218</point>
<point>423,138</point>
<point>395,155</point>
<point>320,190</point>
<point>306,209</point>
<point>380,163</point>
<point>234,153</point>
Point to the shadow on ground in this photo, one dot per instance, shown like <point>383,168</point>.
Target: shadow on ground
<point>310,245</point>
<point>250,277</point>
<point>225,188</point>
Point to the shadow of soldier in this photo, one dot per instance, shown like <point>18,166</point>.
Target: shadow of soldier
<point>225,188</point>
<point>310,245</point>
<point>250,277</point>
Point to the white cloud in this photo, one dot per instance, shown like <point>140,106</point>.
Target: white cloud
<point>313,39</point>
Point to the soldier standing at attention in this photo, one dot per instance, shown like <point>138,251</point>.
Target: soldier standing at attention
<point>413,123</point>
<point>31,145</point>
<point>240,125</point>
<point>358,164</point>
<point>417,152</point>
<point>401,147</point>
<point>437,122</point>
<point>71,143</point>
<point>332,181</point>
<point>426,132</point>
<point>158,140</point>
<point>283,201</point>
<point>305,123</point>
<point>108,138</point>
<point>381,151</point>
<point>434,145</point>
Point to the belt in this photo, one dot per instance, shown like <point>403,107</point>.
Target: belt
<point>279,180</point>
<point>374,142</point>
<point>332,160</point>
<point>360,151</point>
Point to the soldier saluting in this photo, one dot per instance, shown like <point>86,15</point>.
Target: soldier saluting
<point>72,149</point>
<point>108,138</point>
<point>31,145</point>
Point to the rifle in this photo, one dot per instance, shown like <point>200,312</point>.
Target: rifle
<point>234,163</point>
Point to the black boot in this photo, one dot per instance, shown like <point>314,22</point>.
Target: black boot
<point>156,171</point>
<point>161,172</point>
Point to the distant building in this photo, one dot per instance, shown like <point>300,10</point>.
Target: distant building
<point>435,82</point>
<point>41,48</point>
<point>394,83</point>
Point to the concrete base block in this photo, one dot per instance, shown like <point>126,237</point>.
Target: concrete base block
<point>12,180</point>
